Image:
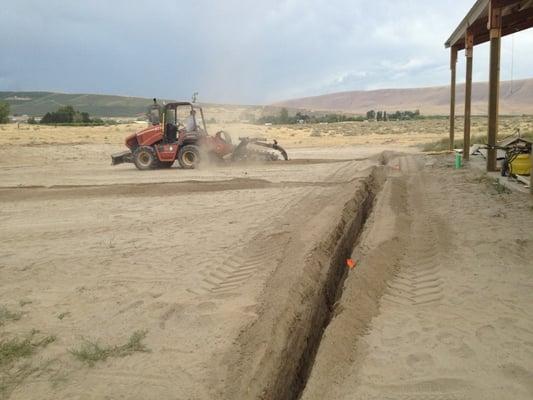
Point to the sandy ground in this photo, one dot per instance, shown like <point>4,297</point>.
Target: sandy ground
<point>94,253</point>
<point>440,304</point>
<point>185,267</point>
<point>222,267</point>
<point>48,156</point>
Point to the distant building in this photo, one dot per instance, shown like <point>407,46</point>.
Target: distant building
<point>19,118</point>
<point>16,98</point>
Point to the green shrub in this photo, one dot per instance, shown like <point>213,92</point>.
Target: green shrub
<point>4,112</point>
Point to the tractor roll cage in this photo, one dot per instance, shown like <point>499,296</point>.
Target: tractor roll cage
<point>174,106</point>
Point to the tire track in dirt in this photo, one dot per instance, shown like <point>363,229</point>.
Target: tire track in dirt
<point>418,282</point>
<point>397,272</point>
<point>255,252</point>
<point>236,269</point>
<point>268,247</point>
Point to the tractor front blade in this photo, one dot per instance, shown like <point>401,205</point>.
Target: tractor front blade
<point>122,157</point>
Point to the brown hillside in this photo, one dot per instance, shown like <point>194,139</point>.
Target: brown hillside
<point>429,100</point>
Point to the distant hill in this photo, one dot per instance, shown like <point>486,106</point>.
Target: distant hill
<point>99,105</point>
<point>429,100</point>
<point>39,103</point>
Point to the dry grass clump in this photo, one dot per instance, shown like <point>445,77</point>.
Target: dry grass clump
<point>13,352</point>
<point>16,348</point>
<point>444,144</point>
<point>92,352</point>
<point>7,315</point>
<point>493,184</point>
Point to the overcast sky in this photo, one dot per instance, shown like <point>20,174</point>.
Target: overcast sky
<point>235,50</point>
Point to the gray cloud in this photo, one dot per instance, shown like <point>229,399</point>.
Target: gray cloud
<point>235,50</point>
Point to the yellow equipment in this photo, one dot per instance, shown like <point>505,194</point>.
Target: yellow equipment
<point>521,165</point>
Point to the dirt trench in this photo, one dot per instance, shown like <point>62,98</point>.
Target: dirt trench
<point>380,250</point>
<point>278,351</point>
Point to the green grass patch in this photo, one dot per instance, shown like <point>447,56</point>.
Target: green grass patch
<point>12,351</point>
<point>7,315</point>
<point>500,189</point>
<point>92,352</point>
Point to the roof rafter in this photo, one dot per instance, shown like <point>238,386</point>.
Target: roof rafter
<point>517,16</point>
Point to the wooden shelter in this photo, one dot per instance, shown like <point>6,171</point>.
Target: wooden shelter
<point>488,20</point>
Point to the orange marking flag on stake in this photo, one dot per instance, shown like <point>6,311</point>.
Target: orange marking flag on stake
<point>350,263</point>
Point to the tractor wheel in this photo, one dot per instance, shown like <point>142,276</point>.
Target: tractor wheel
<point>165,164</point>
<point>189,156</point>
<point>145,158</point>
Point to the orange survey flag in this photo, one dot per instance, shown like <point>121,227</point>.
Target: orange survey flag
<point>350,263</point>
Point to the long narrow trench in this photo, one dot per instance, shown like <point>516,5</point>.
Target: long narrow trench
<point>331,291</point>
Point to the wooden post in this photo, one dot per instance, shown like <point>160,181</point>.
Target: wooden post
<point>531,173</point>
<point>453,67</point>
<point>469,53</point>
<point>495,28</point>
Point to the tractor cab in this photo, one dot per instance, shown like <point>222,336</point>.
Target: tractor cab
<point>182,119</point>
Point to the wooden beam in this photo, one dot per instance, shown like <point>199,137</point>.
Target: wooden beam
<point>453,68</point>
<point>511,23</point>
<point>495,30</point>
<point>469,53</point>
<point>495,16</point>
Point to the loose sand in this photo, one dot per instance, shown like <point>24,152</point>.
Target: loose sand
<point>232,271</point>
<point>95,253</point>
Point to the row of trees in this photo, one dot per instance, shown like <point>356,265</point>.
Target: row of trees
<point>64,115</point>
<point>4,112</point>
<point>283,118</point>
<point>68,115</point>
<point>397,116</point>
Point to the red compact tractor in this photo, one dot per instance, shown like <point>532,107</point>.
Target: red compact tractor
<point>176,134</point>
